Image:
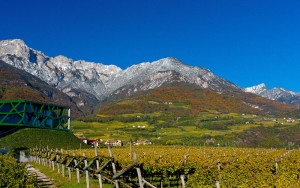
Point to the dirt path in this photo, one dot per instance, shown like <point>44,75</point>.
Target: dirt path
<point>43,180</point>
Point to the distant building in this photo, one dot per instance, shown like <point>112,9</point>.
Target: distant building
<point>114,143</point>
<point>290,120</point>
<point>147,142</point>
<point>140,142</point>
<point>91,142</point>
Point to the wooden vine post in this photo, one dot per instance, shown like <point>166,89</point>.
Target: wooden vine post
<point>113,166</point>
<point>182,181</point>
<point>48,157</point>
<point>87,179</point>
<point>97,165</point>
<point>77,169</point>
<point>69,167</point>
<point>62,163</point>
<point>52,161</point>
<point>57,161</point>
<point>138,170</point>
<point>39,156</point>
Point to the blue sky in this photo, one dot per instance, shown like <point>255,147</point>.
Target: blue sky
<point>244,41</point>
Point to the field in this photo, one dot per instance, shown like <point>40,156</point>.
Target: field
<point>209,127</point>
<point>185,115</point>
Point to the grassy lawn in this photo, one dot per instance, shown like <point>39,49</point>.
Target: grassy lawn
<point>60,181</point>
<point>32,137</point>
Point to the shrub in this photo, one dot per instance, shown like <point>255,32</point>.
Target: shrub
<point>13,174</point>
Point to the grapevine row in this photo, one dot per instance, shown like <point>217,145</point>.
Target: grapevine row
<point>203,166</point>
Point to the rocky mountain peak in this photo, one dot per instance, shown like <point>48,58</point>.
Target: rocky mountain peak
<point>262,86</point>
<point>13,42</point>
<point>60,71</point>
<point>168,61</point>
<point>61,59</point>
<point>167,71</point>
<point>15,47</point>
<point>76,77</point>
<point>257,89</point>
<point>279,94</point>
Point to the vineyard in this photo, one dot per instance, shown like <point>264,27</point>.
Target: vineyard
<point>174,166</point>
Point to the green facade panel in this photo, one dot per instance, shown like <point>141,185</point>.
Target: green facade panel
<point>34,114</point>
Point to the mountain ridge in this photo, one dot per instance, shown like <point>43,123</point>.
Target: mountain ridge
<point>278,94</point>
<point>89,83</point>
<point>18,84</point>
<point>102,80</point>
<point>201,100</point>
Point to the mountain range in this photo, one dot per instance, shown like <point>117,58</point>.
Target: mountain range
<point>18,84</point>
<point>87,84</point>
<point>278,94</point>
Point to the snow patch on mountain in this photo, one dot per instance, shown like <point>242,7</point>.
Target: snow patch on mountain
<point>59,71</point>
<point>279,94</point>
<point>102,80</point>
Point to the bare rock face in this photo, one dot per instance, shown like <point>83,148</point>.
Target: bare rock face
<point>81,78</point>
<point>60,72</point>
<point>15,47</point>
<point>18,84</point>
<point>148,75</point>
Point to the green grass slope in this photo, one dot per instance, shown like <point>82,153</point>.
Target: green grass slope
<point>184,115</point>
<point>32,137</point>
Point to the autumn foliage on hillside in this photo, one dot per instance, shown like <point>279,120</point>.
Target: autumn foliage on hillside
<point>17,84</point>
<point>195,100</point>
